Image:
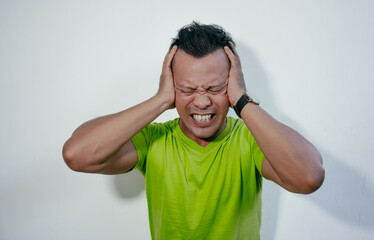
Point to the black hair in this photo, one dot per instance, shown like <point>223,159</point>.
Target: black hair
<point>200,40</point>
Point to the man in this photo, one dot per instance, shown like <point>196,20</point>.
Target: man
<point>203,171</point>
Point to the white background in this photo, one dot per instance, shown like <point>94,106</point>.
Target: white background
<point>65,62</point>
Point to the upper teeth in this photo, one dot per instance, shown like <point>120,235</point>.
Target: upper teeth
<point>202,117</point>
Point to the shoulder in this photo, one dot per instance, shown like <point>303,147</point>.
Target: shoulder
<point>154,132</point>
<point>156,129</point>
<point>165,126</point>
<point>239,131</point>
<point>236,125</point>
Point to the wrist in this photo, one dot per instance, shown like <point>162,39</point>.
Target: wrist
<point>243,101</point>
<point>164,101</point>
<point>235,97</point>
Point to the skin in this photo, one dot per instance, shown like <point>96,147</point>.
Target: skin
<point>201,89</point>
<point>197,86</point>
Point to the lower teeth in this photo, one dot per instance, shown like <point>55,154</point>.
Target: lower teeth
<point>200,119</point>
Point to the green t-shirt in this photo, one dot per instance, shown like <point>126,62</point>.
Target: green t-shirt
<point>196,192</point>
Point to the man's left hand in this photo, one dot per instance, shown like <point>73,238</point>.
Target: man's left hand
<point>236,85</point>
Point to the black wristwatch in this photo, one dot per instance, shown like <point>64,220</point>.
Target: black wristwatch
<point>243,100</point>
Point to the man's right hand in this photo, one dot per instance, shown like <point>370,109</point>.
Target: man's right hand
<point>103,145</point>
<point>166,89</point>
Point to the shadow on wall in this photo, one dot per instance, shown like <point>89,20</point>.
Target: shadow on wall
<point>346,194</point>
<point>129,185</point>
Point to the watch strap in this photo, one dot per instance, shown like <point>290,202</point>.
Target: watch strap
<point>243,100</point>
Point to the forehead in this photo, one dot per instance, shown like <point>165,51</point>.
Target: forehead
<point>212,69</point>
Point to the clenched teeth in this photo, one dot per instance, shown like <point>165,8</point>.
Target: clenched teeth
<point>201,118</point>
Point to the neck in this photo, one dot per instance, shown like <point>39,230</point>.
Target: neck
<point>201,141</point>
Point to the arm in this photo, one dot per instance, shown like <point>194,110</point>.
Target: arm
<point>290,160</point>
<point>103,145</point>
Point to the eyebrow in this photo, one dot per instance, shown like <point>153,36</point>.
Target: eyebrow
<point>209,86</point>
<point>219,85</point>
<point>184,86</point>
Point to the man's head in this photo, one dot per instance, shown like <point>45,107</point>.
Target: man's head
<point>200,40</point>
<point>201,70</point>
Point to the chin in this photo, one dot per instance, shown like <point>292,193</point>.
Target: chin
<point>206,131</point>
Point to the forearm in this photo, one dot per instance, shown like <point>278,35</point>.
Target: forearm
<point>296,162</point>
<point>97,140</point>
<point>290,160</point>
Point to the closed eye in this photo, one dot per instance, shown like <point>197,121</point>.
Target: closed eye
<point>216,90</point>
<point>211,90</point>
<point>186,91</point>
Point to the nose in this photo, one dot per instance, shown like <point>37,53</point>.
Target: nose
<point>202,101</point>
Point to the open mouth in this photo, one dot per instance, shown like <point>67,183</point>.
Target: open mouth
<point>203,118</point>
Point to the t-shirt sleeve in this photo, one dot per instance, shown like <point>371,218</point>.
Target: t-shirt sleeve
<point>251,150</point>
<point>257,155</point>
<point>141,142</point>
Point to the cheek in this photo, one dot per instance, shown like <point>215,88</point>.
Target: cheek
<point>219,101</point>
<point>178,100</point>
<point>222,101</point>
<point>181,103</point>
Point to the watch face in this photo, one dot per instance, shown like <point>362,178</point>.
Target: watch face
<point>253,98</point>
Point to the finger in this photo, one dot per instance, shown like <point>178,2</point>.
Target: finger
<point>236,53</point>
<point>234,49</point>
<point>169,57</point>
<point>229,52</point>
<point>233,55</point>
